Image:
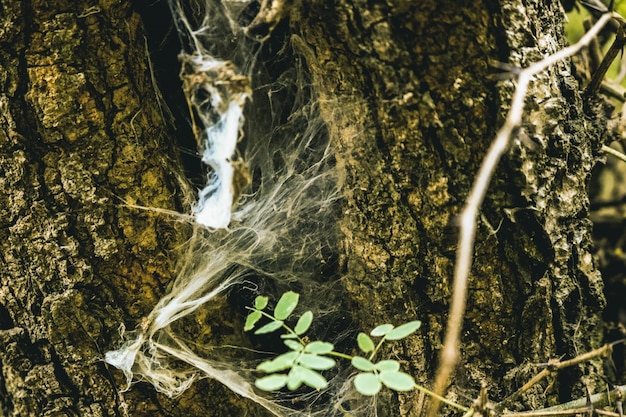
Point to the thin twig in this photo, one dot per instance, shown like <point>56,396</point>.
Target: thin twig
<point>597,9</point>
<point>440,398</point>
<point>613,90</point>
<point>554,366</point>
<point>602,399</point>
<point>450,352</point>
<point>578,406</point>
<point>607,413</point>
<point>540,413</point>
<point>614,152</point>
<point>600,73</point>
<point>595,49</point>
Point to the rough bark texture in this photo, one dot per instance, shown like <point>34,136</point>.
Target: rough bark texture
<point>407,95</point>
<point>562,284</point>
<point>411,103</point>
<point>82,132</point>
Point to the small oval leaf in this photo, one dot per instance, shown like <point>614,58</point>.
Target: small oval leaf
<point>270,327</point>
<point>367,384</point>
<point>381,330</point>
<point>260,302</point>
<point>271,382</point>
<point>279,363</point>
<point>320,363</point>
<point>403,331</point>
<point>293,345</point>
<point>294,378</point>
<point>397,381</point>
<point>387,365</point>
<point>304,322</point>
<point>320,348</point>
<point>311,378</point>
<point>365,343</point>
<point>285,306</point>
<point>251,320</point>
<point>362,364</point>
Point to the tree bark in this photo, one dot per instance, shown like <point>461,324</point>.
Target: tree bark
<point>409,98</point>
<point>82,134</point>
<point>409,95</point>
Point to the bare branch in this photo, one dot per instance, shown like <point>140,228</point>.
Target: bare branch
<point>614,152</point>
<point>450,352</point>
<point>553,366</point>
<point>578,406</point>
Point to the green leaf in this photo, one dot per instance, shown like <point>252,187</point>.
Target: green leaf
<point>304,322</point>
<point>397,381</point>
<point>279,363</point>
<point>295,378</point>
<point>294,345</point>
<point>286,305</point>
<point>362,364</point>
<point>320,348</point>
<point>367,384</point>
<point>381,330</point>
<point>270,327</point>
<point>403,331</point>
<point>311,378</point>
<point>365,342</point>
<point>315,380</point>
<point>271,382</point>
<point>251,320</point>
<point>387,365</point>
<point>260,302</point>
<point>320,363</point>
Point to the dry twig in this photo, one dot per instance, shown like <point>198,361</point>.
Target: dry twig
<point>450,352</point>
<point>553,366</point>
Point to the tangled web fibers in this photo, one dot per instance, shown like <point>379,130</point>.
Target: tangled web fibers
<point>267,215</point>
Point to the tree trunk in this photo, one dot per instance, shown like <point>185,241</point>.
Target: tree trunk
<point>412,103</point>
<point>408,97</point>
<point>83,133</point>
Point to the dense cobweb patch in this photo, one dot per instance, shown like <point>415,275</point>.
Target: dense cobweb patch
<point>268,212</point>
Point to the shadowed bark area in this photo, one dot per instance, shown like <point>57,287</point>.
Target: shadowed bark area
<point>410,99</point>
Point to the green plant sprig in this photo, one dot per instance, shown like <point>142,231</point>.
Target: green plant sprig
<point>385,372</point>
<point>305,359</point>
<point>256,314</point>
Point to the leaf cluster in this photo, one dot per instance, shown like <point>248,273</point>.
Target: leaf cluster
<point>386,372</point>
<point>302,363</point>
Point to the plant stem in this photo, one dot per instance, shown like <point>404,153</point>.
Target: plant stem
<point>614,152</point>
<point>440,398</point>
<point>289,329</point>
<point>371,358</point>
<point>340,355</point>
